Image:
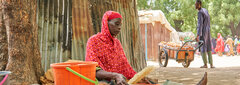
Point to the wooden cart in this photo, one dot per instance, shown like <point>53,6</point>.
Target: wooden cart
<point>183,54</point>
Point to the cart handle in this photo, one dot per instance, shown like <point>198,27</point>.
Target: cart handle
<point>201,44</point>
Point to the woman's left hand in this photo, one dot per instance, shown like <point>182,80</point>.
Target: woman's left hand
<point>146,81</point>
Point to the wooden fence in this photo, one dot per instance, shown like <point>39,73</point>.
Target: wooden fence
<point>55,30</point>
<point>66,25</point>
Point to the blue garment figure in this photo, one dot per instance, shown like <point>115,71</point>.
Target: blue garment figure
<point>203,34</point>
<point>203,29</point>
<point>214,43</point>
<point>235,41</point>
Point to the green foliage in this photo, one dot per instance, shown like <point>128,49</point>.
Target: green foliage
<point>222,12</point>
<point>142,4</point>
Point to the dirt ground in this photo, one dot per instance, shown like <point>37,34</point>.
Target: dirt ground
<point>227,71</point>
<point>191,76</point>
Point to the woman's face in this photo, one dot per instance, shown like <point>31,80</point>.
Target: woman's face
<point>114,26</point>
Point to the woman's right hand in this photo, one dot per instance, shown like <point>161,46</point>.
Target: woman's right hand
<point>120,79</point>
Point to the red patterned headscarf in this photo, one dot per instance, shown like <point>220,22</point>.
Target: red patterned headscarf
<point>220,43</point>
<point>107,50</point>
<point>114,15</point>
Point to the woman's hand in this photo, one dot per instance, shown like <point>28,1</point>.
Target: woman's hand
<point>148,81</point>
<point>120,79</point>
<point>197,39</point>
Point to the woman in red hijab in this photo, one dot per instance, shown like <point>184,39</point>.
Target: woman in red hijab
<point>106,49</point>
<point>238,49</point>
<point>220,45</point>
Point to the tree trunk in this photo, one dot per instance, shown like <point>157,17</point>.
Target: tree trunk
<point>234,30</point>
<point>24,58</point>
<point>178,24</point>
<point>238,30</point>
<point>3,42</point>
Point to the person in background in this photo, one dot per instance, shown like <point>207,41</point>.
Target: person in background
<point>214,42</point>
<point>235,44</point>
<point>203,34</point>
<point>238,49</point>
<point>238,41</point>
<point>220,45</point>
<point>230,43</point>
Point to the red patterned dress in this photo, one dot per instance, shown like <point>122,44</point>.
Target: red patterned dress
<point>107,50</point>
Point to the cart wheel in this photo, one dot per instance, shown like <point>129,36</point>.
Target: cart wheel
<point>186,63</point>
<point>163,57</point>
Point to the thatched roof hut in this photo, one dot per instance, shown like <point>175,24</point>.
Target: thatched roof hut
<point>158,29</point>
